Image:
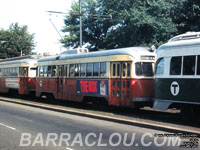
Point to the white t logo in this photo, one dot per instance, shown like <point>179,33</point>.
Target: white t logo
<point>174,88</point>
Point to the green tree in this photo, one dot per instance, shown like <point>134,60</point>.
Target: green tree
<point>186,15</point>
<point>134,23</point>
<point>141,23</point>
<point>16,40</point>
<point>93,29</point>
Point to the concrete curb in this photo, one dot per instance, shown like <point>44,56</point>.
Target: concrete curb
<point>142,124</point>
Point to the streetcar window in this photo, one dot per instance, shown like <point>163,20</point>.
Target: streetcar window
<point>66,71</point>
<point>10,71</point>
<point>124,84</point>
<point>6,71</point>
<point>128,69</point>
<point>118,84</point>
<point>49,71</point>
<point>189,65</point>
<point>60,71</point>
<point>32,72</point>
<point>23,71</point>
<point>175,65</point>
<point>124,70</point>
<point>89,70</point>
<point>41,71</point>
<point>103,69</point>
<point>83,70</point>
<point>113,84</point>
<point>16,72</point>
<point>144,69</point>
<point>118,69</point>
<point>198,66</point>
<point>128,84</point>
<point>71,70</point>
<point>45,71</point>
<point>53,74</point>
<point>123,94</point>
<point>96,69</point>
<point>160,67</point>
<point>113,93</point>
<point>114,69</point>
<point>77,70</point>
<point>118,94</point>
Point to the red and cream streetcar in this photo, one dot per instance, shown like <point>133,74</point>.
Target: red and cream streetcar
<point>120,77</point>
<point>18,75</point>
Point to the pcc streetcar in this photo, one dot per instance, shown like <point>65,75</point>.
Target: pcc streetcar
<point>177,74</point>
<point>18,75</point>
<point>120,77</point>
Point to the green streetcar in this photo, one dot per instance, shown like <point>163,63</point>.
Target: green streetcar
<point>177,74</point>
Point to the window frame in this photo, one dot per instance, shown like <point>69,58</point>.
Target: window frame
<point>89,71</point>
<point>188,70</point>
<point>179,68</point>
<point>141,73</point>
<point>160,64</point>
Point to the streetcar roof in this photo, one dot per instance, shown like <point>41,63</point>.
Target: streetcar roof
<point>21,62</point>
<point>131,51</point>
<point>184,40</point>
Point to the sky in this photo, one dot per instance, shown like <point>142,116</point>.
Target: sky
<point>33,13</point>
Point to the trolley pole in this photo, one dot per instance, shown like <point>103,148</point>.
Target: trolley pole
<point>80,13</point>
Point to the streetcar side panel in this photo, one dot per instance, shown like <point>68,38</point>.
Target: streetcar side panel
<point>177,73</point>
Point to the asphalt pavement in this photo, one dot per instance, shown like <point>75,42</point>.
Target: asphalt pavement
<point>27,128</point>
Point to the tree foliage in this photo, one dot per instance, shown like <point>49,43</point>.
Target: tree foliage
<point>14,40</point>
<point>134,23</point>
<point>187,16</point>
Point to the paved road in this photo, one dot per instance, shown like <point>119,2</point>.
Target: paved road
<point>24,128</point>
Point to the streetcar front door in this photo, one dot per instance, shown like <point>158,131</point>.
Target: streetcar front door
<point>115,98</point>
<point>120,84</point>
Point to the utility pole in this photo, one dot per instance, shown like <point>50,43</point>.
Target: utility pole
<point>80,13</point>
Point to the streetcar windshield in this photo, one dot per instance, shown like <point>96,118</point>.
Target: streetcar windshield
<point>144,69</point>
<point>33,72</point>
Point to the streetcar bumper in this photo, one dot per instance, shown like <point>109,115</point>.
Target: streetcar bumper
<point>142,99</point>
<point>138,102</point>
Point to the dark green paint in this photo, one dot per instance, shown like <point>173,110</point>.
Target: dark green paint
<point>189,90</point>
